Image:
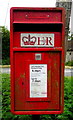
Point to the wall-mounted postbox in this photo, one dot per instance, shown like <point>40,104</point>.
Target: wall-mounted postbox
<point>37,60</point>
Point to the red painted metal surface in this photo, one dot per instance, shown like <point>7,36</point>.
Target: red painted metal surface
<point>37,20</point>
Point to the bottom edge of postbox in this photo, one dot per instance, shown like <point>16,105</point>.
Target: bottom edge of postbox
<point>35,112</point>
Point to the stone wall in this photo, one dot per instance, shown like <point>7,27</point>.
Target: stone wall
<point>69,56</point>
<point>67,4</point>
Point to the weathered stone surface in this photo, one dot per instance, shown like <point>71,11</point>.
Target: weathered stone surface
<point>67,4</point>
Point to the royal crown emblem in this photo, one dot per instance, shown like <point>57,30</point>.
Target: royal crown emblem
<point>29,40</point>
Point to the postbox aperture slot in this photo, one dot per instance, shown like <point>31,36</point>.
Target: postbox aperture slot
<point>31,27</point>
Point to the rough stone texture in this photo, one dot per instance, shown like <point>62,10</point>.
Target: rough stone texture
<point>69,56</point>
<point>0,45</point>
<point>70,45</point>
<point>67,4</point>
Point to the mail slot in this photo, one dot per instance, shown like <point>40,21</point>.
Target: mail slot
<point>37,60</point>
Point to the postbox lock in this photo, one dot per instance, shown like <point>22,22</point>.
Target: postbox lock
<point>38,56</point>
<point>26,16</point>
<point>48,15</point>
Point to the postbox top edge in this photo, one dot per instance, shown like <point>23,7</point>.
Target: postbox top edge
<point>38,8</point>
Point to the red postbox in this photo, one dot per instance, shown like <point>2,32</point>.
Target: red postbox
<point>37,60</point>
